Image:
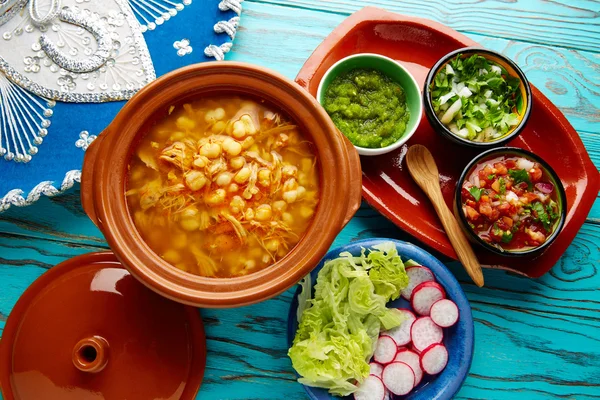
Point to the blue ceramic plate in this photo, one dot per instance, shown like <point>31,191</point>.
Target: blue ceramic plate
<point>458,339</point>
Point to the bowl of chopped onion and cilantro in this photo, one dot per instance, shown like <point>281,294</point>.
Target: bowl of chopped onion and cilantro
<point>477,97</point>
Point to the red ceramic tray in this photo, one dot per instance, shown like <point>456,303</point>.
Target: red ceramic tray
<point>417,44</point>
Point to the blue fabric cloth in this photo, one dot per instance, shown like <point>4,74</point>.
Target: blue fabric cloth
<point>58,154</point>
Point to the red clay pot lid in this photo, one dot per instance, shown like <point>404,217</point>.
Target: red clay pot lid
<point>87,329</point>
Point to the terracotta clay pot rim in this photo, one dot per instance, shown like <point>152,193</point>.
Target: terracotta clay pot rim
<point>337,164</point>
<point>530,156</point>
<point>443,130</point>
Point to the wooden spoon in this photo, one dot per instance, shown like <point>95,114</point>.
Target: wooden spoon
<point>423,169</point>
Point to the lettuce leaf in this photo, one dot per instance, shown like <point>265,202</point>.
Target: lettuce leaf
<point>338,328</point>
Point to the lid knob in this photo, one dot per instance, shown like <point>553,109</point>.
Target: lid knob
<point>91,354</point>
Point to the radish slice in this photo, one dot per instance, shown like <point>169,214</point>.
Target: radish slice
<point>425,332</point>
<point>425,295</point>
<point>401,333</point>
<point>434,359</point>
<point>371,389</point>
<point>386,350</point>
<point>375,369</point>
<point>413,360</point>
<point>444,313</point>
<point>416,276</point>
<point>398,378</point>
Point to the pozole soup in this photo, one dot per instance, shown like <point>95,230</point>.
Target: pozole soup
<point>223,186</point>
<point>511,203</point>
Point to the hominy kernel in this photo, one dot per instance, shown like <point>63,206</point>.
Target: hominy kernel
<point>232,147</point>
<point>195,180</point>
<point>279,206</point>
<point>290,196</point>
<point>218,127</point>
<point>216,198</point>
<point>239,129</point>
<point>171,256</point>
<point>185,123</point>
<point>263,212</point>
<point>243,175</point>
<point>219,113</point>
<point>237,162</point>
<point>224,178</point>
<point>210,150</point>
<point>287,218</point>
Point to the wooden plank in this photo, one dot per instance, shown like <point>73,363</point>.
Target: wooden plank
<point>224,384</point>
<point>564,23</point>
<point>57,218</point>
<point>517,320</point>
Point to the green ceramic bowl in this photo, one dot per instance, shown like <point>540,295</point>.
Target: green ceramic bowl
<point>393,70</point>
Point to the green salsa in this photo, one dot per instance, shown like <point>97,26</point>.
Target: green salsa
<point>368,107</point>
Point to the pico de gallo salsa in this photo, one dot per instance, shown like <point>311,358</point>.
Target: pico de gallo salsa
<point>510,203</point>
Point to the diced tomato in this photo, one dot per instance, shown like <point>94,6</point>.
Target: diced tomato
<point>519,188</point>
<point>535,174</point>
<point>471,203</point>
<point>471,213</point>
<point>508,221</point>
<point>530,197</point>
<point>496,185</point>
<point>500,169</point>
<point>485,198</point>
<point>487,170</point>
<point>505,209</point>
<point>496,235</point>
<point>500,223</point>
<point>487,210</point>
<point>510,164</point>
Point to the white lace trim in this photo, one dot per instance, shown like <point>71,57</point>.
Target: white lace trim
<point>228,27</point>
<point>46,188</point>
<point>15,197</point>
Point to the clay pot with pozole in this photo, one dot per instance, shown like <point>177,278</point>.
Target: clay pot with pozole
<point>221,184</point>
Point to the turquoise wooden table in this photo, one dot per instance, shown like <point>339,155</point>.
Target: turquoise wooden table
<point>535,339</point>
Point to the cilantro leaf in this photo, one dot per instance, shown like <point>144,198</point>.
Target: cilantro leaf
<point>552,210</point>
<point>520,175</point>
<point>507,237</point>
<point>541,214</point>
<point>502,185</point>
<point>497,231</point>
<point>491,176</point>
<point>476,192</point>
